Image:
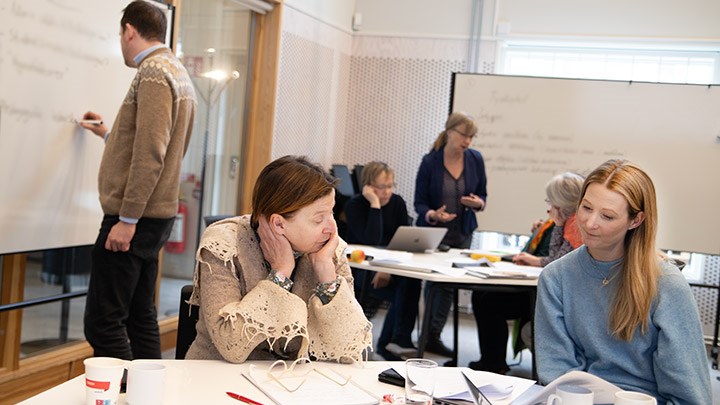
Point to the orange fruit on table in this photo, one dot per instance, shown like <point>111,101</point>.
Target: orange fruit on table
<point>357,256</point>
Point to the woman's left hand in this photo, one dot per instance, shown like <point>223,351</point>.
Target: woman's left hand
<point>472,201</point>
<point>380,280</point>
<point>526,259</point>
<point>322,260</point>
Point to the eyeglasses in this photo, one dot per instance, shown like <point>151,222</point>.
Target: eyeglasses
<point>291,379</point>
<point>383,187</point>
<point>468,136</point>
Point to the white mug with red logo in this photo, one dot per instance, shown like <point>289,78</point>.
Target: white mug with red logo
<point>102,380</point>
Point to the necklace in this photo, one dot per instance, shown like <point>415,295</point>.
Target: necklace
<point>606,277</point>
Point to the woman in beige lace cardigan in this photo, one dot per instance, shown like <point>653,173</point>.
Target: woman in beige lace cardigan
<point>276,284</point>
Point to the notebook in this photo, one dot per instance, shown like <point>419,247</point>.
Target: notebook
<point>416,238</point>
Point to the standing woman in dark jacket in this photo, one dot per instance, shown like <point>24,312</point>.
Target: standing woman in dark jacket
<point>449,189</point>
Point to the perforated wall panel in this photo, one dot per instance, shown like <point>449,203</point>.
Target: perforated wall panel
<point>397,108</point>
<point>707,298</point>
<point>303,99</point>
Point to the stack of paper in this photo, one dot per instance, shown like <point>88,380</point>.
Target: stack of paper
<point>486,272</point>
<point>499,389</point>
<point>380,254</point>
<point>462,263</point>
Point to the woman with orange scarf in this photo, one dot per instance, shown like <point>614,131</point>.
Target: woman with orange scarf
<point>551,240</point>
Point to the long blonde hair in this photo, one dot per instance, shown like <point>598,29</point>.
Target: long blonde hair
<point>640,269</point>
<point>455,119</point>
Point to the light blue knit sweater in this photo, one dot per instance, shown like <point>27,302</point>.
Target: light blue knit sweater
<point>572,332</point>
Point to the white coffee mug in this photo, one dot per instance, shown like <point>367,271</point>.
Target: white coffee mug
<point>634,398</point>
<point>102,380</point>
<point>145,383</point>
<point>571,395</point>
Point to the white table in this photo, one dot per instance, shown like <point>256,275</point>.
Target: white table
<point>468,282</point>
<point>207,381</point>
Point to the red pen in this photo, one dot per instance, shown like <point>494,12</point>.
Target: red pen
<point>242,398</point>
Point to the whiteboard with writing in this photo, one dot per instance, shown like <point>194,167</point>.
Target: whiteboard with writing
<point>58,59</point>
<point>533,128</point>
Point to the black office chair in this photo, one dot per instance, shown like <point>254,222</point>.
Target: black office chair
<point>211,219</point>
<point>187,318</point>
<point>356,178</point>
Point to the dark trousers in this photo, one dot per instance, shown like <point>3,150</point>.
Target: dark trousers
<point>403,294</point>
<point>120,313</point>
<point>492,310</point>
<point>442,302</point>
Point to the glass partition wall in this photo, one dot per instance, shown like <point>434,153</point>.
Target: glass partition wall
<point>213,43</point>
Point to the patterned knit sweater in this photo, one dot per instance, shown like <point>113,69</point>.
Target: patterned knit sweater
<point>140,169</point>
<point>244,316</point>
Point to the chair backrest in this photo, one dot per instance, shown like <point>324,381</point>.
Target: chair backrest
<point>187,319</point>
<point>345,184</point>
<point>211,219</point>
<point>357,177</point>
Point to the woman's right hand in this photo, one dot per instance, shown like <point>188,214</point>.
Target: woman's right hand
<point>440,215</point>
<point>536,225</point>
<point>275,248</point>
<point>369,193</point>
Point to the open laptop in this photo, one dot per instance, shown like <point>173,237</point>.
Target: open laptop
<point>416,238</point>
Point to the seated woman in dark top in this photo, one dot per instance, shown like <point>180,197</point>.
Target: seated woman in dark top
<point>372,218</point>
<point>550,241</point>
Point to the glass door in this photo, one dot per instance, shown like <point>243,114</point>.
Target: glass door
<point>214,44</point>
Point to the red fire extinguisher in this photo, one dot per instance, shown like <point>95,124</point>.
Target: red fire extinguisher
<point>176,241</point>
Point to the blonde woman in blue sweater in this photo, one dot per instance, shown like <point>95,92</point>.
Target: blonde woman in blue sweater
<point>613,307</point>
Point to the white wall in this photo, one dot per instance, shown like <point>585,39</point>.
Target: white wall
<point>415,18</point>
<point>337,13</point>
<point>652,19</point>
<point>313,79</point>
<point>694,20</point>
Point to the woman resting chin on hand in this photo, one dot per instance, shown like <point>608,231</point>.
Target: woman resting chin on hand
<point>276,284</point>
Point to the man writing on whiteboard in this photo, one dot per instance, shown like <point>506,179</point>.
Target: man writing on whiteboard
<point>138,183</point>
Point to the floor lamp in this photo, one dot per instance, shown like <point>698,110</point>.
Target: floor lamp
<point>217,81</point>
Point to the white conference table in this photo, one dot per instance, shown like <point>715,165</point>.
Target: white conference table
<point>439,260</point>
<point>207,381</point>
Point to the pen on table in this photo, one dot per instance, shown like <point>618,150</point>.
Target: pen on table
<point>90,122</point>
<point>242,398</point>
